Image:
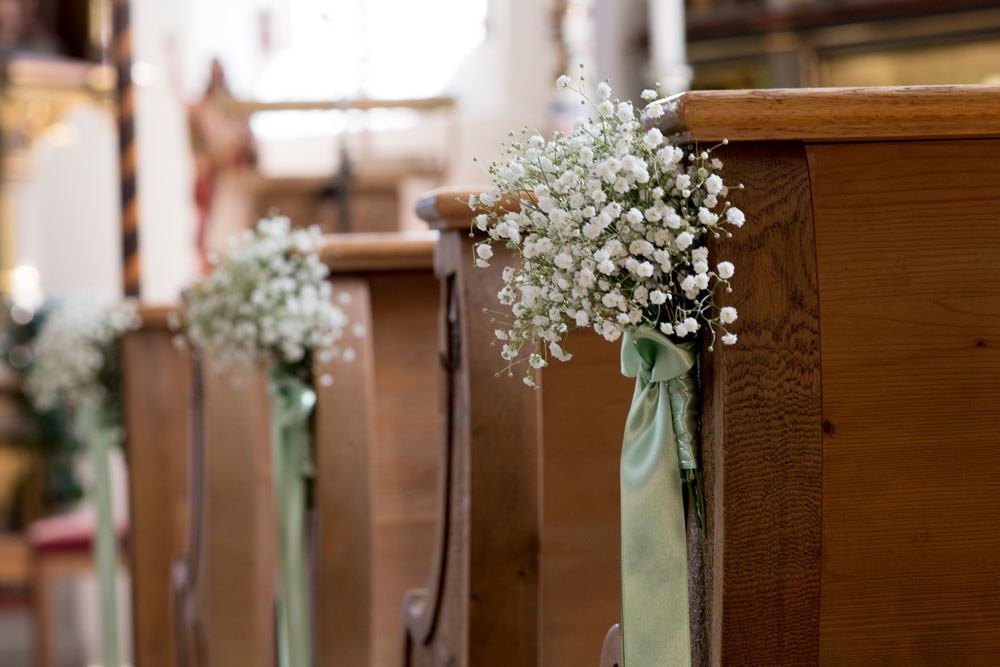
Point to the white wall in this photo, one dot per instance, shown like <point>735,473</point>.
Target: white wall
<point>67,205</point>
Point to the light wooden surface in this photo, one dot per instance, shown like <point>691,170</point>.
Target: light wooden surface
<point>239,519</point>
<point>908,246</point>
<point>344,437</point>
<point>836,114</point>
<point>379,436</point>
<point>368,252</point>
<point>158,424</point>
<point>580,594</point>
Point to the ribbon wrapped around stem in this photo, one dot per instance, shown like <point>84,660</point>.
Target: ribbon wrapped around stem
<point>99,433</point>
<point>292,402</point>
<point>659,444</point>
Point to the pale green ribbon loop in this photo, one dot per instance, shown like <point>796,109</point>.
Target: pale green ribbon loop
<point>655,623</point>
<point>292,403</point>
<point>100,434</point>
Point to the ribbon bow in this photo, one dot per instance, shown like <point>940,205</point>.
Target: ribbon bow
<point>655,623</point>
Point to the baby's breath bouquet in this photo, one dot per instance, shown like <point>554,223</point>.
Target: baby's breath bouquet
<point>609,225</point>
<point>77,369</point>
<point>269,301</point>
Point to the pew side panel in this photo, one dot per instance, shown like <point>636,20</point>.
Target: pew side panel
<point>239,520</point>
<point>584,406</point>
<point>908,241</point>
<point>481,607</point>
<point>382,421</point>
<point>406,456</point>
<point>344,436</point>
<point>157,380</point>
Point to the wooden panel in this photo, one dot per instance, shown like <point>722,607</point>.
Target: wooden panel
<point>908,240</point>
<point>762,426</point>
<point>344,435</point>
<point>374,251</point>
<point>482,604</point>
<point>837,114</point>
<point>405,458</point>
<point>584,406</point>
<point>158,423</point>
<point>240,557</point>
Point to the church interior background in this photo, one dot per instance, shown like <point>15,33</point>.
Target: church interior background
<point>340,113</point>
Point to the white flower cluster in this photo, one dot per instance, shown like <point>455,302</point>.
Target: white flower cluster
<point>76,353</point>
<point>610,231</point>
<point>268,300</point>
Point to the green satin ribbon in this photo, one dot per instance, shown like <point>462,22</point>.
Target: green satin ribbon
<point>655,623</point>
<point>99,433</point>
<point>292,402</point>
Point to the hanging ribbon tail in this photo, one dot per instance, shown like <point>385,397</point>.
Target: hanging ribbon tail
<point>655,623</point>
<point>99,435</point>
<point>292,403</point>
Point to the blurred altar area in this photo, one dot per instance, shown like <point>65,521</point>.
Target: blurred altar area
<point>137,136</point>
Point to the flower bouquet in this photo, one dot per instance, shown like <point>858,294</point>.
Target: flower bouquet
<point>610,224</point>
<point>268,301</point>
<point>77,368</point>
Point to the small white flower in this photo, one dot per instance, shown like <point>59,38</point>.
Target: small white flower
<point>606,108</point>
<point>481,221</point>
<point>645,270</point>
<point>603,90</point>
<point>652,139</point>
<point>727,315</point>
<point>691,324</point>
<point>699,254</point>
<point>484,250</point>
<point>667,328</point>
<point>683,240</point>
<point>713,185</point>
<point>562,81</point>
<point>537,361</point>
<point>648,95</point>
<point>700,267</point>
<point>656,297</point>
<point>735,216</point>
<point>680,330</point>
<point>729,339</point>
<point>726,270</point>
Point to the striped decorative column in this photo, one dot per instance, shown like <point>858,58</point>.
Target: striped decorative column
<point>121,59</point>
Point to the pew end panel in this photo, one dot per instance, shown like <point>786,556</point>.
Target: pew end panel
<point>157,390</point>
<point>401,296</point>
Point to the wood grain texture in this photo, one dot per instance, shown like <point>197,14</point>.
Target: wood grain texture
<point>482,606</point>
<point>405,457</point>
<point>240,547</point>
<point>158,423</point>
<point>908,241</point>
<point>762,438</point>
<point>584,406</point>
<point>344,439</point>
<point>836,114</point>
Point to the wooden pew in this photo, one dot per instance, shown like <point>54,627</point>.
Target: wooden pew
<point>384,469</point>
<point>377,463</point>
<point>850,437</point>
<point>527,572</point>
<point>157,392</point>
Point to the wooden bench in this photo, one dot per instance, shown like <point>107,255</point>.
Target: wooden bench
<point>527,572</point>
<point>377,466</point>
<point>850,438</point>
<point>158,395</point>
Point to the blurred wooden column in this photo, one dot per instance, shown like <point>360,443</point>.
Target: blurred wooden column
<point>157,393</point>
<point>121,57</point>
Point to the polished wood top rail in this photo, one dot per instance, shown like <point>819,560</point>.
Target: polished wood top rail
<point>441,208</point>
<point>836,114</point>
<point>157,317</point>
<point>380,251</point>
